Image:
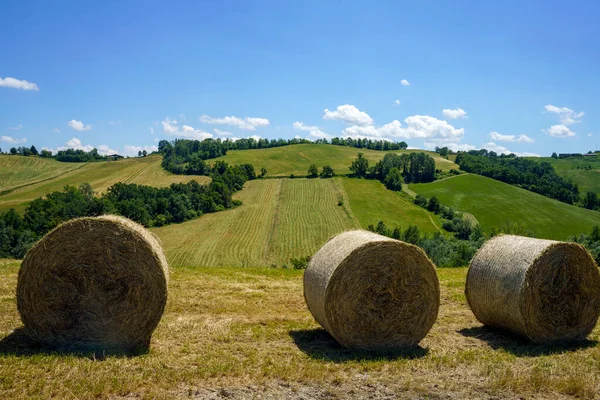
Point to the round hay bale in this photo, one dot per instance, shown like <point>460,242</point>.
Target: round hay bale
<point>544,290</point>
<point>95,284</point>
<point>372,292</point>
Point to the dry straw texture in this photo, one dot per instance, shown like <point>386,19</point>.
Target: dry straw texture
<point>545,290</point>
<point>371,292</point>
<point>95,284</point>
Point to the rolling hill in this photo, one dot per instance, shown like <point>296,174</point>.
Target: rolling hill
<point>494,203</point>
<point>27,178</point>
<point>295,159</point>
<point>584,171</point>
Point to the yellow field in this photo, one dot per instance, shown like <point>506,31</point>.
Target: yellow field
<point>101,175</point>
<point>279,219</point>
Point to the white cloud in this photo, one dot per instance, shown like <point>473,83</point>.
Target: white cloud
<point>349,114</point>
<point>79,126</point>
<point>397,102</point>
<point>510,138</point>
<point>11,140</point>
<point>560,131</point>
<point>76,144</point>
<point>313,131</point>
<point>56,130</point>
<point>133,150</point>
<point>18,84</point>
<point>248,123</point>
<point>566,115</point>
<point>16,128</point>
<point>404,82</point>
<point>454,113</point>
<point>221,133</point>
<point>491,146</point>
<point>171,127</point>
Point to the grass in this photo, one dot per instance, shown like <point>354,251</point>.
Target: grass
<point>574,169</point>
<point>495,203</point>
<point>287,160</point>
<point>244,333</point>
<point>371,202</point>
<point>279,219</point>
<point>101,175</point>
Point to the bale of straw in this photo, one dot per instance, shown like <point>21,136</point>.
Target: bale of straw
<point>545,290</point>
<point>372,292</point>
<point>94,284</point>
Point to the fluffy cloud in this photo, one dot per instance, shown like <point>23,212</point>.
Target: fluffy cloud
<point>79,126</point>
<point>248,123</point>
<point>559,131</point>
<point>133,150</point>
<point>76,144</point>
<point>404,82</point>
<point>16,128</point>
<point>11,140</point>
<point>171,128</point>
<point>18,84</point>
<point>221,133</point>
<point>454,113</point>
<point>313,131</point>
<point>566,115</point>
<point>491,146</point>
<point>397,102</point>
<point>349,114</point>
<point>510,138</point>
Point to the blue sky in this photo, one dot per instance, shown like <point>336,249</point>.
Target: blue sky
<point>121,75</point>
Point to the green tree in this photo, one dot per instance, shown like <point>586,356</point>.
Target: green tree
<point>13,150</point>
<point>327,172</point>
<point>396,233</point>
<point>554,155</point>
<point>144,153</point>
<point>263,172</point>
<point>591,200</point>
<point>313,172</point>
<point>360,166</point>
<point>33,150</point>
<point>434,205</point>
<point>46,153</point>
<point>412,234</point>
<point>393,180</point>
<point>382,229</point>
<point>442,151</point>
<point>420,200</point>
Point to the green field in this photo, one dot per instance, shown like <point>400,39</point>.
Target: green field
<point>41,176</point>
<point>494,203</point>
<point>286,160</point>
<point>575,170</point>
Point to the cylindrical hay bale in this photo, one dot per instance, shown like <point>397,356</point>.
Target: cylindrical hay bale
<point>372,292</point>
<point>94,284</point>
<point>545,290</point>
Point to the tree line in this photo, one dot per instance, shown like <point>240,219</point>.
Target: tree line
<point>146,205</point>
<point>395,169</point>
<point>530,175</point>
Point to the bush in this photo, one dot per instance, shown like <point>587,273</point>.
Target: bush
<point>300,263</point>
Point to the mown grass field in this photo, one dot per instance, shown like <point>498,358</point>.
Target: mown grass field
<point>101,175</point>
<point>287,160</point>
<point>243,333</point>
<point>575,170</point>
<point>495,203</point>
<point>279,219</point>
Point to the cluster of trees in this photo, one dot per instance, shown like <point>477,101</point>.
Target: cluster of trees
<point>537,177</point>
<point>72,155</point>
<point>28,151</point>
<point>395,169</point>
<point>591,201</point>
<point>326,172</point>
<point>146,205</point>
<point>366,144</point>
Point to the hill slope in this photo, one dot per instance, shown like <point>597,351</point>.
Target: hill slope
<point>38,182</point>
<point>575,169</point>
<point>295,159</point>
<point>494,203</point>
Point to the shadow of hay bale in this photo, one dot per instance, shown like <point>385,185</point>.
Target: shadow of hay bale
<point>20,343</point>
<point>520,346</point>
<point>320,345</point>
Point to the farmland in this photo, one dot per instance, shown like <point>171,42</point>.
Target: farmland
<point>41,178</point>
<point>240,333</point>
<point>495,203</point>
<point>287,160</point>
<point>584,171</point>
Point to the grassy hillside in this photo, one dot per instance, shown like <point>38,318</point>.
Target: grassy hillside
<point>279,219</point>
<point>246,333</point>
<point>494,203</point>
<point>101,175</point>
<point>575,170</point>
<point>295,159</point>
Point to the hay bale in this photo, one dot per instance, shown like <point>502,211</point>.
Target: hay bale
<point>542,289</point>
<point>95,284</point>
<point>372,292</point>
